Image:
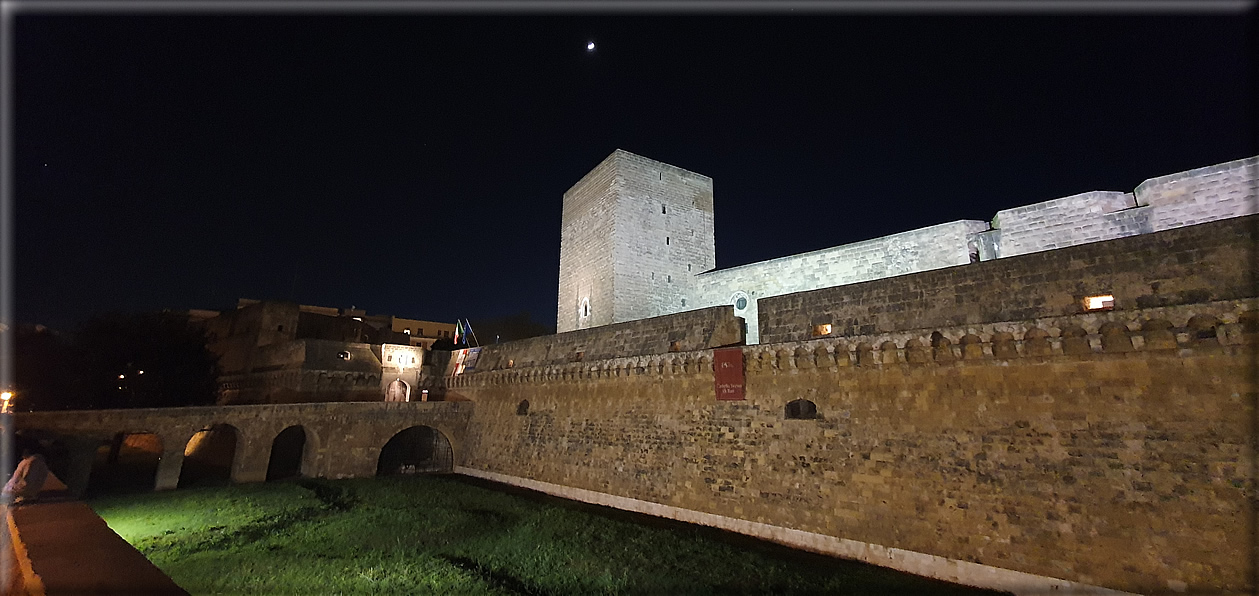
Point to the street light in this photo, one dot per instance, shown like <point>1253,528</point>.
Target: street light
<point>7,398</point>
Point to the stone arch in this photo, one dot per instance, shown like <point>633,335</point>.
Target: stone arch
<point>416,450</point>
<point>288,454</point>
<point>1075,340</point>
<point>1036,342</point>
<point>398,390</point>
<point>1003,345</point>
<point>127,463</point>
<point>916,352</point>
<point>1158,334</point>
<point>887,352</point>
<point>210,456</point>
<point>972,347</point>
<point>1115,337</point>
<point>865,354</point>
<point>804,357</point>
<point>941,347</point>
<point>1202,330</point>
<point>800,409</point>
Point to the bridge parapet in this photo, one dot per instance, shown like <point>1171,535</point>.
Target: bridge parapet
<point>342,439</point>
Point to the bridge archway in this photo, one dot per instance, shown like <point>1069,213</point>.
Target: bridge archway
<point>288,454</point>
<point>416,450</point>
<point>209,457</point>
<point>398,390</point>
<point>128,463</point>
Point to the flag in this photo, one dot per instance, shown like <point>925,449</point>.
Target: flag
<point>458,330</point>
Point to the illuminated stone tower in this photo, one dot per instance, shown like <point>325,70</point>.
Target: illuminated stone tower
<point>634,234</point>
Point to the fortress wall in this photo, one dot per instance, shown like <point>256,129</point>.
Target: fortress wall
<point>1114,464</point>
<point>585,247</point>
<point>691,330</point>
<point>1211,261</point>
<point>928,248</point>
<point>1078,219</point>
<point>1204,194</point>
<point>664,229</point>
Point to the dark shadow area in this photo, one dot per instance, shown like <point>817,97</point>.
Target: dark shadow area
<point>286,454</point>
<point>735,539</point>
<point>128,464</point>
<point>208,457</point>
<point>416,450</point>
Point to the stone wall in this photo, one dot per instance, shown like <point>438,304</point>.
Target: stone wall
<point>1204,194</point>
<point>1077,219</point>
<point>933,247</point>
<point>342,439</point>
<point>1211,261</point>
<point>692,330</point>
<point>634,232</point>
<point>1108,452</point>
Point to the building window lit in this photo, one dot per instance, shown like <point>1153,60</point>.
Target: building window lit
<point>1106,302</point>
<point>407,331</point>
<point>343,355</point>
<point>820,330</point>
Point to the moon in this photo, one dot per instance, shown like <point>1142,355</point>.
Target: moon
<point>590,47</point>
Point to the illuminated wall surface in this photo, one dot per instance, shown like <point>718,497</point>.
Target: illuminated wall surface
<point>619,273</point>
<point>975,416</point>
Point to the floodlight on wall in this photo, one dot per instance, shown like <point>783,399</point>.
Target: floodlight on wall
<point>1106,302</point>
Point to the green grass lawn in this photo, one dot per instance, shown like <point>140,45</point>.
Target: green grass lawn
<point>452,535</point>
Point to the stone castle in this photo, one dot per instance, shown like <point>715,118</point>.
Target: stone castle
<point>1061,401</point>
<point>637,239</point>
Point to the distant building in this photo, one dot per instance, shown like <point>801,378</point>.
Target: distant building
<point>283,352</point>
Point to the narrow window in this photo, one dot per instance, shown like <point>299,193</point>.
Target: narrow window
<point>684,302</point>
<point>522,408</point>
<point>666,240</point>
<point>663,210</point>
<point>801,409</point>
<point>279,328</point>
<point>688,266</point>
<point>670,280</point>
<point>1106,302</point>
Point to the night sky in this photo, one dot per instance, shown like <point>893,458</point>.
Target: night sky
<point>414,164</point>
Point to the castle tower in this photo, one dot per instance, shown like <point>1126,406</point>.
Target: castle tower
<point>635,232</point>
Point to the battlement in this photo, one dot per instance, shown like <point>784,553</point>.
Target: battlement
<point>1226,324</point>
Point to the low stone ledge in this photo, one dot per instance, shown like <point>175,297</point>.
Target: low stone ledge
<point>933,566</point>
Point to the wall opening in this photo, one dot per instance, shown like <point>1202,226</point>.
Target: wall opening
<point>801,409</point>
<point>1104,302</point>
<point>522,408</point>
<point>821,330</point>
<point>127,464</point>
<point>398,390</point>
<point>286,454</point>
<point>208,457</point>
<point>416,450</point>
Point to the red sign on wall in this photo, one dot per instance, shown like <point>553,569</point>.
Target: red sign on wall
<point>728,373</point>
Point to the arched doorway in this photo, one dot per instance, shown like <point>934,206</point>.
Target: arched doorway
<point>208,457</point>
<point>398,390</point>
<point>128,463</point>
<point>286,454</point>
<point>416,450</point>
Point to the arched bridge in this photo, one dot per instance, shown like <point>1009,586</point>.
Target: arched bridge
<point>326,440</point>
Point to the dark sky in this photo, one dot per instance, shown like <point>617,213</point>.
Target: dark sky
<point>413,164</point>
